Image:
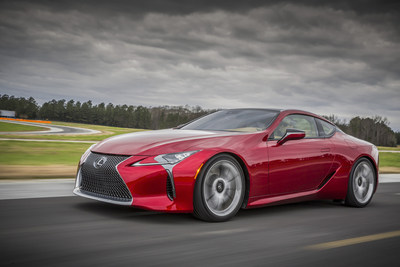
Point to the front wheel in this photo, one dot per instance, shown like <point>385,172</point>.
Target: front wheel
<point>219,190</point>
<point>362,184</point>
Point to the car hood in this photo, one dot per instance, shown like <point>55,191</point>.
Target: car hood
<point>156,142</point>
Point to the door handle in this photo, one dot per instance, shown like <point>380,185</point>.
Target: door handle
<point>327,149</point>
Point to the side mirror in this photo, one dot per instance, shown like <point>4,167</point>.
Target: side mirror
<point>291,134</point>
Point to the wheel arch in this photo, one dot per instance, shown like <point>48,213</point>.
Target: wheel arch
<point>201,212</point>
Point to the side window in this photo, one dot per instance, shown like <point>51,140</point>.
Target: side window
<point>327,128</point>
<point>298,122</point>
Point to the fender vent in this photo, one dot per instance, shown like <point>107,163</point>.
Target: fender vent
<point>170,187</point>
<point>327,178</point>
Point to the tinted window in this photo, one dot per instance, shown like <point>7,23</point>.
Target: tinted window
<point>327,128</point>
<point>244,120</point>
<point>298,122</point>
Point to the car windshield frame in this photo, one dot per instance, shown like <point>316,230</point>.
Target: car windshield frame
<point>270,116</point>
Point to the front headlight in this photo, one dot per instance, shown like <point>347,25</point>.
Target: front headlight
<point>172,158</point>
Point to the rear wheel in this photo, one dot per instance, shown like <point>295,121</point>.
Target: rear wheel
<point>219,189</point>
<point>362,184</point>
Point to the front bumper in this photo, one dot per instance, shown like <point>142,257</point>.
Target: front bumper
<point>87,194</point>
<point>150,186</point>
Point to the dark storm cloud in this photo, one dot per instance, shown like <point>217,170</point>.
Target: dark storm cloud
<point>324,56</point>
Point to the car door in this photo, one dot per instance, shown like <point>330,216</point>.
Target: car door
<point>298,165</point>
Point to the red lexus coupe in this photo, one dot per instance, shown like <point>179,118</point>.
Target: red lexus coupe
<point>231,159</point>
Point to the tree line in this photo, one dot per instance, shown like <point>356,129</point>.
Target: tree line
<point>375,130</point>
<point>103,114</point>
<point>372,129</point>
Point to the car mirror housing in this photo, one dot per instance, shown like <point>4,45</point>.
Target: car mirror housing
<point>291,134</point>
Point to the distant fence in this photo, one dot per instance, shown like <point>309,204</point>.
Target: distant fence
<point>10,119</point>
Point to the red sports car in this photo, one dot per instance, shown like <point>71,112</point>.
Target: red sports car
<point>231,159</point>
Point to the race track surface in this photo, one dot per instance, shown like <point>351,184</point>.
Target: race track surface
<point>52,129</point>
<point>72,231</point>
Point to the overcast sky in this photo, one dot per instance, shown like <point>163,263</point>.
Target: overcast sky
<point>327,58</point>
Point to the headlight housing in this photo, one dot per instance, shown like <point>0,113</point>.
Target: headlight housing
<point>172,158</point>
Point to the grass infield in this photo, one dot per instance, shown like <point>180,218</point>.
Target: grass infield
<point>397,148</point>
<point>41,153</point>
<point>387,159</point>
<point>21,159</point>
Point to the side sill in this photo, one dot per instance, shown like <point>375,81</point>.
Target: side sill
<point>282,199</point>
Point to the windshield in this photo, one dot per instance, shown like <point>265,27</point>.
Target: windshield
<point>242,120</point>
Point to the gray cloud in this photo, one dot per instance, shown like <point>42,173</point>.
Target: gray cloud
<point>339,57</point>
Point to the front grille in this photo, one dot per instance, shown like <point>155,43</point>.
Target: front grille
<point>102,179</point>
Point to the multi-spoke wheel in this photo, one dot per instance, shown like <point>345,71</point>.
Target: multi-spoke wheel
<point>219,190</point>
<point>362,184</point>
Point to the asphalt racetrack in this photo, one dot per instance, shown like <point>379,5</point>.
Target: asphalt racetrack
<point>72,231</point>
<point>52,129</point>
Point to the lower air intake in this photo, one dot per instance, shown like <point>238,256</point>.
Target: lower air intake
<point>170,192</point>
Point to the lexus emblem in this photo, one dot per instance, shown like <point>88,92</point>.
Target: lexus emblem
<point>99,162</point>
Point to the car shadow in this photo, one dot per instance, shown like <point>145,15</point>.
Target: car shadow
<point>290,207</point>
<point>131,213</point>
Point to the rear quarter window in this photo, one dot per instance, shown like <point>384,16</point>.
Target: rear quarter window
<point>327,128</point>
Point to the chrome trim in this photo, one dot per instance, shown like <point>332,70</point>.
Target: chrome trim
<point>138,164</point>
<point>78,192</point>
<point>171,178</point>
<point>78,179</point>
<point>116,168</point>
<point>168,168</point>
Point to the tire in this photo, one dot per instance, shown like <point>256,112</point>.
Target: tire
<point>219,189</point>
<point>362,184</point>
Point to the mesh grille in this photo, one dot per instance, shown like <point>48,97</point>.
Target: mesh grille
<point>170,189</point>
<point>104,181</point>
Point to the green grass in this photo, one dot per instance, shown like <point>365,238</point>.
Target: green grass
<point>41,153</point>
<point>107,131</point>
<point>14,127</point>
<point>389,148</point>
<point>49,153</point>
<point>387,159</point>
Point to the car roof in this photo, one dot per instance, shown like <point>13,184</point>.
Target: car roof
<point>266,109</point>
<point>294,111</point>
